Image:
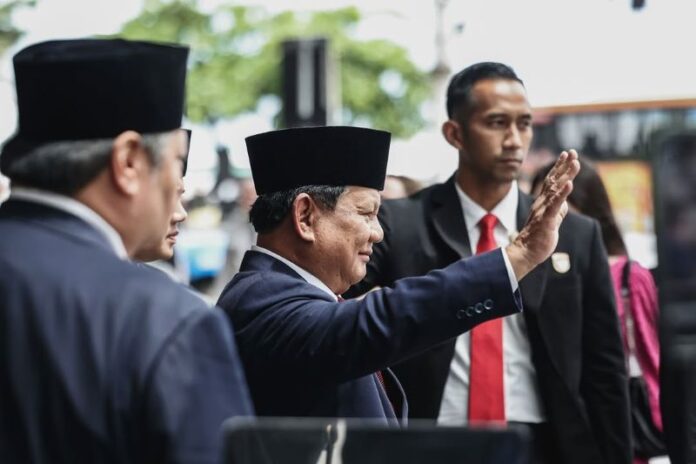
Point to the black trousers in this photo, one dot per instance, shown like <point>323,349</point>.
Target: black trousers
<point>543,450</point>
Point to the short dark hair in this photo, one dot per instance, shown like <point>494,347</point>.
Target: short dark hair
<point>269,210</point>
<point>67,166</point>
<point>461,84</point>
<point>589,196</point>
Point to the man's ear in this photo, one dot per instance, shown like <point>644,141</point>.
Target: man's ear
<point>128,161</point>
<point>452,132</point>
<point>305,213</point>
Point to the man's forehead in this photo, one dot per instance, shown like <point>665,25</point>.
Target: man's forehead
<point>364,194</point>
<point>495,90</point>
<point>501,97</point>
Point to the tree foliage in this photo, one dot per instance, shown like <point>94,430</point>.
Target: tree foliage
<point>236,57</point>
<point>8,32</point>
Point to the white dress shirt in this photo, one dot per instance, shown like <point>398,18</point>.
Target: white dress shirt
<point>75,208</point>
<point>522,401</point>
<point>310,278</point>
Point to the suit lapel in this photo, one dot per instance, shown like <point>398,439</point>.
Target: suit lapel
<point>448,218</point>
<point>396,392</point>
<point>542,333</point>
<point>533,285</point>
<point>448,221</point>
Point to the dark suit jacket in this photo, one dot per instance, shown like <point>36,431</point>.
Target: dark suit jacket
<point>571,320</point>
<point>102,360</point>
<point>308,355</point>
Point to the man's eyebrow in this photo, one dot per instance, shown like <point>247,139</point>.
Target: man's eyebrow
<point>368,205</point>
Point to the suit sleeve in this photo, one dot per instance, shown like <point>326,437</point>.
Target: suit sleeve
<point>283,327</point>
<point>195,384</point>
<point>604,380</point>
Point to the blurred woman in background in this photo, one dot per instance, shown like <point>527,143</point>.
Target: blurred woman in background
<point>634,287</point>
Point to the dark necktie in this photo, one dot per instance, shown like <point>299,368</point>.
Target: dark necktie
<point>486,391</point>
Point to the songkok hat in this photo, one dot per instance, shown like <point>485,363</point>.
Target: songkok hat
<point>188,150</point>
<point>290,158</point>
<point>92,88</point>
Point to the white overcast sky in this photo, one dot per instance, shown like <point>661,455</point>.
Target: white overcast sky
<point>566,51</point>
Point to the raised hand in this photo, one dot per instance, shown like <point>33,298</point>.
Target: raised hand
<point>539,237</point>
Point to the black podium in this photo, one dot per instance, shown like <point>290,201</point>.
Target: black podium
<point>339,441</point>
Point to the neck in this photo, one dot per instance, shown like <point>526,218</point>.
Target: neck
<point>112,209</point>
<point>289,247</point>
<point>271,242</point>
<point>485,193</point>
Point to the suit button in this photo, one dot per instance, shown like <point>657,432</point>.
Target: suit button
<point>478,308</point>
<point>460,314</point>
<point>488,304</point>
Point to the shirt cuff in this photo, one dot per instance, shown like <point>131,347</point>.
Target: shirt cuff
<point>511,273</point>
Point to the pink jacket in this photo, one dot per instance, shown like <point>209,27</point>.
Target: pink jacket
<point>645,313</point>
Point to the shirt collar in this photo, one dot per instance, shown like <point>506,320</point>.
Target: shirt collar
<point>505,210</point>
<point>310,278</point>
<point>74,207</point>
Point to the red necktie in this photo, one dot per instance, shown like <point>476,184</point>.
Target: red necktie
<point>486,394</point>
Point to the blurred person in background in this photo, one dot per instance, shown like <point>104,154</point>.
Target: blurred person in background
<point>316,216</point>
<point>399,187</point>
<point>241,232</point>
<point>238,228</point>
<point>4,188</point>
<point>101,360</point>
<point>634,290</point>
<point>557,368</point>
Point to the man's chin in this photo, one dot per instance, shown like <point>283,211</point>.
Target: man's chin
<point>167,252</point>
<point>358,276</point>
<point>507,177</point>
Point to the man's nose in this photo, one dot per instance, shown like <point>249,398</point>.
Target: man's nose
<point>180,214</point>
<point>513,138</point>
<point>377,232</point>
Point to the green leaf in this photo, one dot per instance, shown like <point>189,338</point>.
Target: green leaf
<point>236,57</point>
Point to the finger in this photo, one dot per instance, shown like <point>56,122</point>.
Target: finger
<point>565,162</point>
<point>570,168</point>
<point>556,199</point>
<point>572,163</point>
<point>557,165</point>
<point>575,168</point>
<point>562,170</point>
<point>564,209</point>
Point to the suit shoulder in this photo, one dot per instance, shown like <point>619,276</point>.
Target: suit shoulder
<point>411,201</point>
<point>577,224</point>
<point>252,283</point>
<point>253,291</point>
<point>404,209</point>
<point>159,290</point>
